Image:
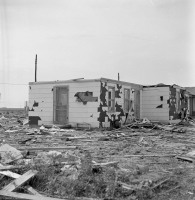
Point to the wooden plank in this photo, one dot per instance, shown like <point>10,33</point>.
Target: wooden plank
<point>33,191</point>
<point>10,174</point>
<point>126,186</point>
<point>19,181</point>
<point>185,159</point>
<point>151,155</point>
<point>114,163</point>
<point>130,156</point>
<point>26,196</point>
<point>11,167</point>
<point>14,175</point>
<point>160,183</point>
<point>47,148</point>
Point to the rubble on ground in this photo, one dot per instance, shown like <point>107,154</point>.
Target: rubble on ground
<point>141,160</point>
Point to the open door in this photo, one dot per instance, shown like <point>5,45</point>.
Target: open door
<point>60,105</point>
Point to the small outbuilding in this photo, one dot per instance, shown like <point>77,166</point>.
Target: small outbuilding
<point>165,102</point>
<point>98,102</point>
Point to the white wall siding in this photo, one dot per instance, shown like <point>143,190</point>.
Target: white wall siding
<point>151,100</point>
<point>41,102</point>
<point>78,112</point>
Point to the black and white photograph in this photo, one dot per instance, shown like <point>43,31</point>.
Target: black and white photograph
<point>97,99</point>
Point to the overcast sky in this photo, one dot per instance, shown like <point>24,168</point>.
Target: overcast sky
<point>146,41</point>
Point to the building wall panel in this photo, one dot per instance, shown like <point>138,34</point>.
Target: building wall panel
<point>41,102</point>
<point>162,89</point>
<point>94,111</point>
<point>155,103</point>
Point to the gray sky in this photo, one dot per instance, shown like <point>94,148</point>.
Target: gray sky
<point>146,41</point>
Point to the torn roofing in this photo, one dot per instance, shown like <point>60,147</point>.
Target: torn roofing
<point>157,85</point>
<point>164,85</point>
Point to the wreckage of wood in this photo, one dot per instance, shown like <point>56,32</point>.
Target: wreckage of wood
<point>185,158</point>
<point>36,197</point>
<point>165,155</point>
<point>26,196</point>
<point>46,148</point>
<point>126,186</point>
<point>33,191</point>
<point>140,155</point>
<point>159,184</point>
<point>19,181</point>
<point>114,163</point>
<point>11,167</point>
<point>10,174</point>
<point>14,175</point>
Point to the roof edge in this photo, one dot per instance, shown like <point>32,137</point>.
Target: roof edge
<point>85,80</point>
<point>122,82</point>
<point>64,81</point>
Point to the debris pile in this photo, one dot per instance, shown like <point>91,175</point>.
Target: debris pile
<point>141,160</point>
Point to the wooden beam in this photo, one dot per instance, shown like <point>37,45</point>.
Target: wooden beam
<point>14,175</point>
<point>126,186</point>
<point>185,159</point>
<point>150,155</point>
<point>26,196</point>
<point>36,197</point>
<point>11,167</point>
<point>140,155</point>
<point>19,181</point>
<point>47,148</point>
<point>114,163</point>
<point>10,174</point>
<point>33,191</point>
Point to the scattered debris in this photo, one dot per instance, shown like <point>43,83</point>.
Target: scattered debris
<point>141,160</point>
<point>9,153</point>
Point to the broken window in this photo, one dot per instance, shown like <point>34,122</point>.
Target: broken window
<point>111,99</point>
<point>85,97</point>
<point>126,100</point>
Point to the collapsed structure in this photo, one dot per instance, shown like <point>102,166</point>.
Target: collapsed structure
<point>102,102</point>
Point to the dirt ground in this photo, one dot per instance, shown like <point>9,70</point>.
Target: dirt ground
<point>138,161</point>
